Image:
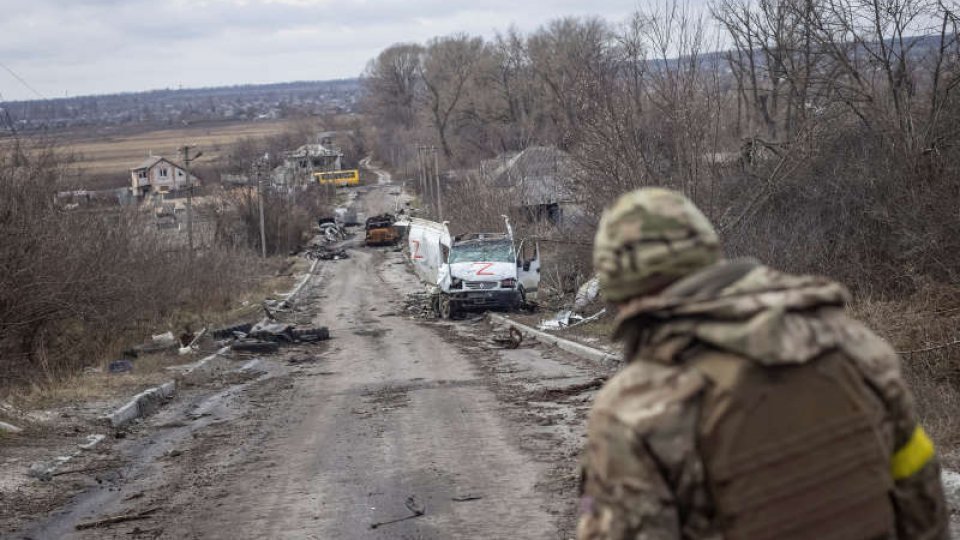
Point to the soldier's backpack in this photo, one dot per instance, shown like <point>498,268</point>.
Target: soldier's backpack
<point>794,451</point>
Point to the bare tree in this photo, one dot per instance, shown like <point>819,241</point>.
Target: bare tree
<point>447,69</point>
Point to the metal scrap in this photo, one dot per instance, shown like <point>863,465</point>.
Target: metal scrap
<point>323,253</point>
<point>412,505</point>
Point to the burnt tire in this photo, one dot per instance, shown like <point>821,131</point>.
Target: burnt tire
<point>256,346</point>
<point>229,331</point>
<point>321,333</point>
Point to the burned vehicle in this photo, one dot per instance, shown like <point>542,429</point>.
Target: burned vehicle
<point>380,231</point>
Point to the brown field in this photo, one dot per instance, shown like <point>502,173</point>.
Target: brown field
<point>105,158</point>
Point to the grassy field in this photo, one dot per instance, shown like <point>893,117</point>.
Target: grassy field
<point>105,157</point>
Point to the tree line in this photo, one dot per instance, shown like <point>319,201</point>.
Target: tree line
<point>820,135</point>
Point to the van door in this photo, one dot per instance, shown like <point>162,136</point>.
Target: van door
<point>528,267</point>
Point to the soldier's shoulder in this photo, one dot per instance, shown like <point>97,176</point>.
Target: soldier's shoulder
<point>645,395</point>
<point>873,355</point>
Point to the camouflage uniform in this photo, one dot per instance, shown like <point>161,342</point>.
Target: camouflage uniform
<point>645,469</point>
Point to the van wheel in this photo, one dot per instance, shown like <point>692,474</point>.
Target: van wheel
<point>447,310</point>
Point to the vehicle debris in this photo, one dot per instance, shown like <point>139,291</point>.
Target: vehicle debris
<point>266,336</point>
<point>9,428</point>
<point>412,505</point>
<point>323,253</point>
<point>587,293</point>
<point>143,514</point>
<point>331,230</point>
<point>511,340</point>
<point>120,366</point>
<point>568,319</point>
<point>165,339</point>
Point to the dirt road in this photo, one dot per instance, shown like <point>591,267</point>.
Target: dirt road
<point>395,428</point>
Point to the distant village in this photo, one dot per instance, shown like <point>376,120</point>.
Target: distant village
<point>163,183</point>
<point>183,107</point>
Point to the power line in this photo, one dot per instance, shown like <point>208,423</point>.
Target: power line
<point>22,81</point>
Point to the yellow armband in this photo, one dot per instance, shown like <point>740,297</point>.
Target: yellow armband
<point>911,457</point>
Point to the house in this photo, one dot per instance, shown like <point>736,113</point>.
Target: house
<point>313,158</point>
<point>159,175</point>
<point>541,179</point>
<point>299,165</point>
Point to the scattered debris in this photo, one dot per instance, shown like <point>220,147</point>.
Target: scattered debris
<point>466,498</point>
<point>165,340</point>
<point>511,340</point>
<point>412,505</point>
<point>421,305</point>
<point>92,440</point>
<point>255,346</point>
<point>267,336</point>
<point>587,293</point>
<point>323,253</point>
<point>144,514</point>
<point>9,428</point>
<point>120,366</point>
<point>302,360</point>
<point>232,331</point>
<point>191,347</point>
<point>553,394</point>
<point>568,319</point>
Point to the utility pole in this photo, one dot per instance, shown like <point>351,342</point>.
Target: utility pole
<point>436,174</point>
<point>187,158</point>
<point>422,174</point>
<point>263,232</point>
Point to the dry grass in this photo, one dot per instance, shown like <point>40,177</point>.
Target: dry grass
<point>98,385</point>
<point>927,319</point>
<point>112,154</point>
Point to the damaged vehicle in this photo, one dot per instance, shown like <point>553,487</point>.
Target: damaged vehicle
<point>476,271</point>
<point>380,231</point>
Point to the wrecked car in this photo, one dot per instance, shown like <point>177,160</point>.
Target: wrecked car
<point>380,231</point>
<point>477,271</point>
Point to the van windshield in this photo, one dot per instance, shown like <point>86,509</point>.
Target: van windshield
<point>499,251</point>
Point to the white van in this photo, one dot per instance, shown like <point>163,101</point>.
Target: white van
<point>476,271</point>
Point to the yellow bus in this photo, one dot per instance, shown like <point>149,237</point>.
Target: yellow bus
<point>350,177</point>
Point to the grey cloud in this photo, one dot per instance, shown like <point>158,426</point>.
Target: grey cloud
<point>85,46</point>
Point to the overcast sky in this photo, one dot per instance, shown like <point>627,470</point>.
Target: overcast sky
<point>78,47</point>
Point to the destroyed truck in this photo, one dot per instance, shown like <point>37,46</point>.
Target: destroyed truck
<point>380,231</point>
<point>473,272</point>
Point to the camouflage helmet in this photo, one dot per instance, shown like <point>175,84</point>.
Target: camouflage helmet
<point>648,239</point>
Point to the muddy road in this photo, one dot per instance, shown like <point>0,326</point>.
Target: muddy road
<point>397,427</point>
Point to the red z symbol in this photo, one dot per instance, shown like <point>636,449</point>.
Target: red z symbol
<point>416,249</point>
<point>482,271</point>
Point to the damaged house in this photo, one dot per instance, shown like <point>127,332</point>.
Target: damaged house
<point>299,165</point>
<point>541,179</point>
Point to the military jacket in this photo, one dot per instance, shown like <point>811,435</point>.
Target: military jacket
<point>643,470</point>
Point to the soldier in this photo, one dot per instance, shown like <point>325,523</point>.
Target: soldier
<point>751,406</point>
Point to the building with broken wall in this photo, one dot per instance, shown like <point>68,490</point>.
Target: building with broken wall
<point>300,165</point>
<point>542,180</point>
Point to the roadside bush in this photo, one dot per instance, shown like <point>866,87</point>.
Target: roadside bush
<point>76,284</point>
